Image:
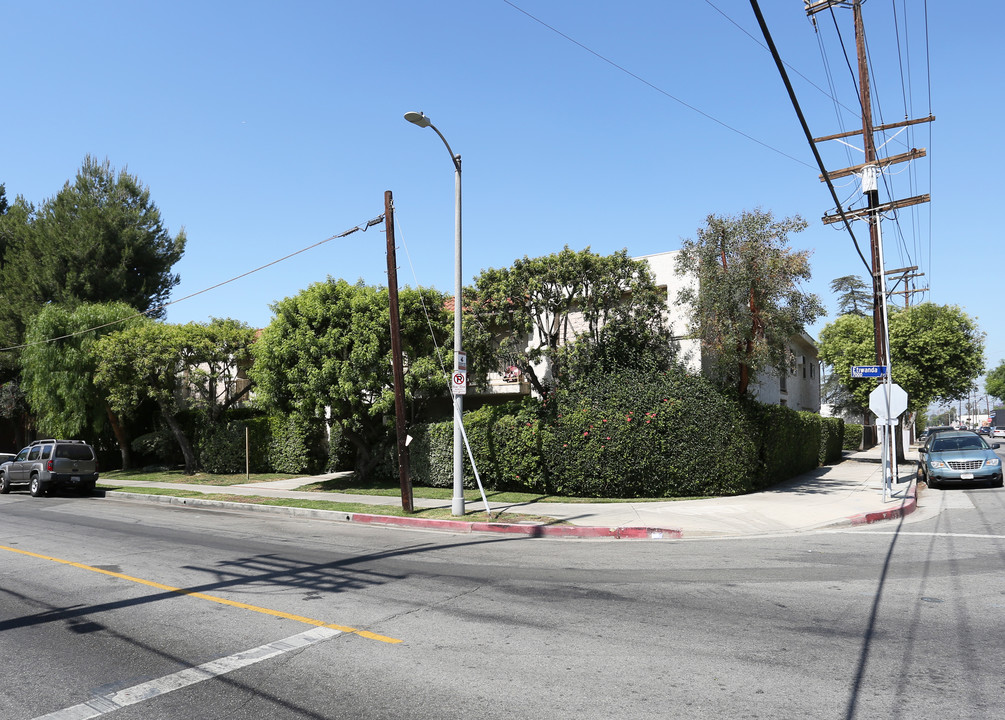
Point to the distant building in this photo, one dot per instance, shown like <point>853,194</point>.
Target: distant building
<point>799,388</point>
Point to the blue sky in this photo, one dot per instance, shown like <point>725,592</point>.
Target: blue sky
<point>264,128</point>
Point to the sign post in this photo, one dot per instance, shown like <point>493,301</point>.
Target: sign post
<point>887,402</point>
<point>459,380</point>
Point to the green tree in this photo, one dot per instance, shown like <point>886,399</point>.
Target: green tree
<point>326,356</point>
<point>937,352</point>
<point>213,355</point>
<point>58,367</point>
<point>994,383</point>
<point>15,228</point>
<point>746,304</point>
<point>176,366</point>
<point>544,314</point>
<point>100,239</point>
<point>144,362</point>
<point>854,296</point>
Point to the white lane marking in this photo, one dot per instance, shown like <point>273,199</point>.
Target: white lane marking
<point>920,534</point>
<point>145,691</point>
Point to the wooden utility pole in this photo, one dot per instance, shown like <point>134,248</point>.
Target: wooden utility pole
<point>870,170</point>
<point>871,187</point>
<point>397,366</point>
<point>906,276</point>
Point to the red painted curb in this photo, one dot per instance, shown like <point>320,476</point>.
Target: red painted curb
<point>532,530</point>
<point>906,508</point>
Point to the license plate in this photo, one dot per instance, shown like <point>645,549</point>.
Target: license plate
<point>76,478</point>
<point>967,476</point>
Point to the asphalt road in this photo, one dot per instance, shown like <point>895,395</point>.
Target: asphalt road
<point>108,606</point>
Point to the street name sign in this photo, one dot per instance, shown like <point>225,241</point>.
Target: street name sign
<point>868,371</point>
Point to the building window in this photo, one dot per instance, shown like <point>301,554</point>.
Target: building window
<point>782,380</point>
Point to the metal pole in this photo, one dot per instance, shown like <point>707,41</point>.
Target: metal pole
<point>457,504</point>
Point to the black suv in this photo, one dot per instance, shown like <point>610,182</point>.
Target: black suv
<point>48,464</point>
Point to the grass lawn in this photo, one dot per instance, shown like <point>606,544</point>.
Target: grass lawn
<point>179,476</point>
<point>349,485</point>
<point>443,513</point>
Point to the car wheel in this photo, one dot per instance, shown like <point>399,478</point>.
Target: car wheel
<point>87,489</point>
<point>36,489</point>
<point>932,483</point>
<point>4,484</point>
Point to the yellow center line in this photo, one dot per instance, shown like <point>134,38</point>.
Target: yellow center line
<point>212,598</point>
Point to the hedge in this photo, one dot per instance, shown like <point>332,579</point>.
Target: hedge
<point>624,437</point>
<point>852,437</point>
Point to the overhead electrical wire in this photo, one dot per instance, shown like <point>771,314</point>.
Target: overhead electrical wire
<point>806,130</point>
<point>361,227</point>
<point>654,87</point>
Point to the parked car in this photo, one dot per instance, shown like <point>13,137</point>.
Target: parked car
<point>984,430</point>
<point>998,432</point>
<point>49,464</point>
<point>930,431</point>
<point>959,456</point>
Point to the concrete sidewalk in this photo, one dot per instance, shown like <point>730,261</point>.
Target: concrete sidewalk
<point>849,493</point>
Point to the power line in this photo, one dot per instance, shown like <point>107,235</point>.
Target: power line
<point>654,87</point>
<point>802,121</point>
<point>361,227</point>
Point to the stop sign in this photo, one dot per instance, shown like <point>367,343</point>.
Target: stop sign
<point>898,402</point>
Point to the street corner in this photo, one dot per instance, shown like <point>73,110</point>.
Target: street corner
<point>526,529</point>
<point>904,506</point>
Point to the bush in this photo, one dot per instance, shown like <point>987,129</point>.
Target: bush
<point>156,448</point>
<point>222,448</point>
<point>430,454</point>
<point>788,442</point>
<point>506,443</point>
<point>628,435</point>
<point>295,446</point>
<point>831,440</point>
<point>852,437</point>
<point>341,453</point>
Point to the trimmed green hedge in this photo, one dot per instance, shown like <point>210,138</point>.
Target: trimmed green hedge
<point>832,433</point>
<point>669,435</point>
<point>852,437</point>
<point>626,436</point>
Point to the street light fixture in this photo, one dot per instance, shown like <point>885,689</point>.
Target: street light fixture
<point>457,503</point>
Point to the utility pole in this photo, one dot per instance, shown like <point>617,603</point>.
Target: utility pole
<point>904,275</point>
<point>870,170</point>
<point>397,366</point>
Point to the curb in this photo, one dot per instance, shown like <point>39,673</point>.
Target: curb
<point>908,506</point>
<point>534,530</point>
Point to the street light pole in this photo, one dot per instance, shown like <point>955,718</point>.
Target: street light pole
<point>457,503</point>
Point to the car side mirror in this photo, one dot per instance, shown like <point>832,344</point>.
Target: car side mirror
<point>922,449</point>
<point>995,446</point>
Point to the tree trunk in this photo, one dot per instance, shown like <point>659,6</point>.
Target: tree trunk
<point>186,449</point>
<point>120,438</point>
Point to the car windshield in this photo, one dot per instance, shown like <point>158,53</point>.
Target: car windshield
<point>958,443</point>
